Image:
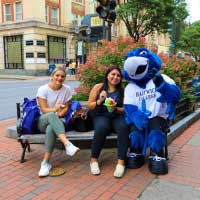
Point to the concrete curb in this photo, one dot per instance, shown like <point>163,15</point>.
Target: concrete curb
<point>21,77</point>
<point>179,127</point>
<point>175,130</point>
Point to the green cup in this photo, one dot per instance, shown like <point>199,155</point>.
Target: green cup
<point>110,107</point>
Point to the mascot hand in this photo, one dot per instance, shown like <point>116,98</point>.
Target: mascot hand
<point>136,116</point>
<point>140,120</point>
<point>156,77</point>
<point>171,109</point>
<point>170,93</point>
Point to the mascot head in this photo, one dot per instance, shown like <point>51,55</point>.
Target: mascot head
<point>139,64</point>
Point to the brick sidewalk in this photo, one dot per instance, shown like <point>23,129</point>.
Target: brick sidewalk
<point>20,180</point>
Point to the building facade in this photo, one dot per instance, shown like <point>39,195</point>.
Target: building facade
<point>36,33</point>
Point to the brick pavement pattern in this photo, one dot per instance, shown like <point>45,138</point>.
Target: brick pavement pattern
<point>20,180</point>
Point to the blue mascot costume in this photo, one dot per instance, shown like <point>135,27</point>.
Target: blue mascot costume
<point>149,101</point>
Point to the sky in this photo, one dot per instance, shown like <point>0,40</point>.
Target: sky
<point>194,10</point>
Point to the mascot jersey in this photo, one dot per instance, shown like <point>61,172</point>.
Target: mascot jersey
<point>134,95</point>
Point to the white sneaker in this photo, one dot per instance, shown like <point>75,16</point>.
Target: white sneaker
<point>44,169</point>
<point>71,149</point>
<point>94,168</point>
<point>119,171</point>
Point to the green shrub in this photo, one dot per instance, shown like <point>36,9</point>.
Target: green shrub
<point>113,53</point>
<point>108,54</point>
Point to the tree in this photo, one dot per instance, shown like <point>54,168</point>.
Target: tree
<point>144,17</point>
<point>177,24</point>
<point>190,39</point>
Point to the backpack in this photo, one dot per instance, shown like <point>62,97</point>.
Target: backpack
<point>31,113</point>
<point>74,106</point>
<point>77,118</point>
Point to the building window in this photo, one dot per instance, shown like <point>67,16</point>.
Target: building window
<point>29,42</point>
<point>18,11</point>
<point>56,49</point>
<point>115,29</point>
<point>8,16</point>
<point>41,55</point>
<point>29,55</point>
<point>13,51</point>
<point>54,16</point>
<point>40,43</point>
<point>78,1</point>
<point>46,14</point>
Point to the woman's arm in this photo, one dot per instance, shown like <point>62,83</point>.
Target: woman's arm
<point>92,102</point>
<point>120,110</point>
<point>63,110</point>
<point>44,108</point>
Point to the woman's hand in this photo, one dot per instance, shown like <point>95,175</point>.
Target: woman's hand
<point>58,106</point>
<point>63,109</point>
<point>114,108</point>
<point>102,97</point>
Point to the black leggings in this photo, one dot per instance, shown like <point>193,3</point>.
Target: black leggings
<point>103,126</point>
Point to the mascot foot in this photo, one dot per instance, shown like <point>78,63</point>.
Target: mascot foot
<point>134,160</point>
<point>158,165</point>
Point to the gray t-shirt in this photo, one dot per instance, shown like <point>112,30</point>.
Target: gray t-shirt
<point>63,95</point>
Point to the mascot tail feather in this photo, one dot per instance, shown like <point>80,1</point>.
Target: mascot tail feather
<point>157,140</point>
<point>136,139</point>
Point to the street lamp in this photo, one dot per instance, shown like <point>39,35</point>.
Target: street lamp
<point>82,34</point>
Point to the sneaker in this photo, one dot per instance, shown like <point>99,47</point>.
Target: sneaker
<point>158,165</point>
<point>71,149</point>
<point>134,160</point>
<point>119,171</point>
<point>94,168</point>
<point>44,169</point>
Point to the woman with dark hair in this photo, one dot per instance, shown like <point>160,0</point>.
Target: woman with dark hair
<point>108,121</point>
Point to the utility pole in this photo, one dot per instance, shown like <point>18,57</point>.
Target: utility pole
<point>109,31</point>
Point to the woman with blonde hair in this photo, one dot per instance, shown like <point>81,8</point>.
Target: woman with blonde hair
<point>54,100</point>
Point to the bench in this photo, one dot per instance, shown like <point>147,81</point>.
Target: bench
<point>81,139</point>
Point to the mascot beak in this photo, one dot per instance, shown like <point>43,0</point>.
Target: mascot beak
<point>136,67</point>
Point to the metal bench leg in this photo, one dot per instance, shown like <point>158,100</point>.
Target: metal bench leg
<point>166,152</point>
<point>24,145</point>
<point>166,149</point>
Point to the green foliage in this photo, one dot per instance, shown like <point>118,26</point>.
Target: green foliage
<point>182,71</point>
<point>142,18</point>
<point>80,97</point>
<point>113,53</point>
<point>110,53</point>
<point>190,39</point>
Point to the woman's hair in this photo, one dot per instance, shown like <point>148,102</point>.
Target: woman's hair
<point>58,69</point>
<point>105,81</point>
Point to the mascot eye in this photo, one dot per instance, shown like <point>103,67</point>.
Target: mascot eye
<point>143,53</point>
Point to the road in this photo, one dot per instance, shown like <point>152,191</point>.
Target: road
<point>13,91</point>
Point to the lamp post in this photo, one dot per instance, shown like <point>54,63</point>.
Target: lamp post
<point>82,34</point>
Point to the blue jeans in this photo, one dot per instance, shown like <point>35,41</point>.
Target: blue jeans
<point>103,126</point>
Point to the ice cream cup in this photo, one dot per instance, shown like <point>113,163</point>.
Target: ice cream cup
<point>110,107</point>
